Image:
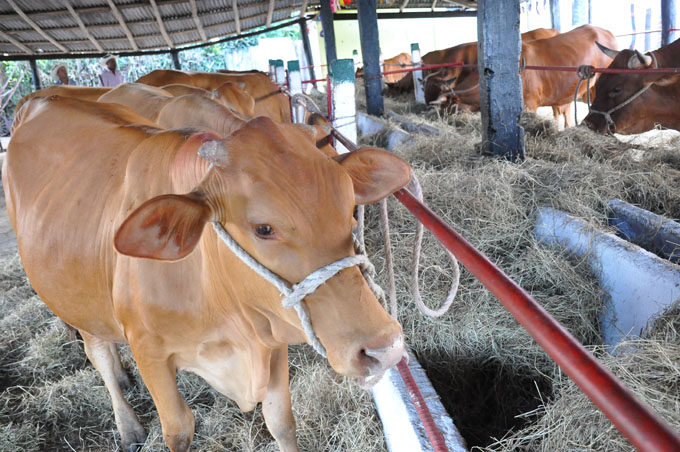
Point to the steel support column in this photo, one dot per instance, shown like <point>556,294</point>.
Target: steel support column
<point>668,14</point>
<point>175,59</point>
<point>370,50</point>
<point>555,14</point>
<point>328,32</point>
<point>500,85</point>
<point>308,50</point>
<point>36,75</point>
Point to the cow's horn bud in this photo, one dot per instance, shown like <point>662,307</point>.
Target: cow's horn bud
<point>214,152</point>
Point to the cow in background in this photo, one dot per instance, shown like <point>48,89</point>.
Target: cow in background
<point>635,103</point>
<point>403,60</point>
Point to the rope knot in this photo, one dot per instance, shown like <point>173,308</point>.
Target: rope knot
<point>585,71</point>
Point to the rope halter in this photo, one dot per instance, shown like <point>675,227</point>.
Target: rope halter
<point>635,95</point>
<point>293,295</point>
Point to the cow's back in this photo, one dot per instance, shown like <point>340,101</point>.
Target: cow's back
<point>65,198</point>
<point>144,99</point>
<point>574,48</point>
<point>77,92</point>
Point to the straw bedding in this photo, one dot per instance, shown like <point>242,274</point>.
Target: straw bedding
<point>503,392</point>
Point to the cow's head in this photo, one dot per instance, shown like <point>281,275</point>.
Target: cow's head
<point>623,102</point>
<point>290,206</point>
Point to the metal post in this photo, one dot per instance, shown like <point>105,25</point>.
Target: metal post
<point>328,32</point>
<point>36,75</point>
<point>295,87</point>
<point>648,26</point>
<point>308,50</point>
<point>667,21</point>
<point>632,23</point>
<point>555,14</point>
<point>175,59</point>
<point>500,85</point>
<point>280,72</point>
<point>370,49</point>
<point>344,103</point>
<point>418,85</point>
<point>579,14</point>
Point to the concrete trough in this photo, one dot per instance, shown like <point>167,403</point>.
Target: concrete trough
<point>641,286</point>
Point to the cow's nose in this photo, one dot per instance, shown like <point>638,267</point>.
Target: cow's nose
<point>377,359</point>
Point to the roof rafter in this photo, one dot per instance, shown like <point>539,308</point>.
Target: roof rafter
<point>161,26</point>
<point>270,13</point>
<point>303,8</point>
<point>237,18</point>
<point>197,21</point>
<point>121,21</point>
<point>82,26</point>
<point>16,43</point>
<point>434,5</point>
<point>403,5</point>
<point>36,27</point>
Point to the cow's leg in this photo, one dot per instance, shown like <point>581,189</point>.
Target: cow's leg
<point>121,376</point>
<point>276,406</point>
<point>568,117</point>
<point>160,376</point>
<point>104,357</point>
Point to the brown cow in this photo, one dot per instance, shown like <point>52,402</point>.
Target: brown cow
<point>269,100</point>
<point>546,88</point>
<point>231,95</point>
<point>635,103</point>
<point>188,110</point>
<point>392,64</point>
<point>115,244</point>
<point>465,53</point>
<point>78,92</point>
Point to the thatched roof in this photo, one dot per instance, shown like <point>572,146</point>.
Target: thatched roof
<point>41,27</point>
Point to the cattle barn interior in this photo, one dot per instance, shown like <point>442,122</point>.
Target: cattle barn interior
<point>487,167</point>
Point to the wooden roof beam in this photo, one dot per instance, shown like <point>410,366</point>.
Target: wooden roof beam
<point>403,5</point>
<point>35,26</point>
<point>161,26</point>
<point>121,21</point>
<point>434,5</point>
<point>270,14</point>
<point>197,20</point>
<point>82,26</point>
<point>16,43</point>
<point>237,18</point>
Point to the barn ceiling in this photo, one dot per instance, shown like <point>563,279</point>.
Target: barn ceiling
<point>59,27</point>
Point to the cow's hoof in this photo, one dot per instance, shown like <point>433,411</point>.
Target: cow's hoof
<point>134,439</point>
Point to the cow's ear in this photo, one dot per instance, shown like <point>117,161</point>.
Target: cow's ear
<point>375,173</point>
<point>166,227</point>
<point>667,79</point>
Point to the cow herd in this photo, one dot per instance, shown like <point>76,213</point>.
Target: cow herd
<point>110,192</point>
<point>618,101</point>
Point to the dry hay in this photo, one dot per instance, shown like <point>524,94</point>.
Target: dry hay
<point>52,398</point>
<point>487,370</point>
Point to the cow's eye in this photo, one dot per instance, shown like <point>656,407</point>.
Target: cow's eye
<point>264,231</point>
<point>615,91</point>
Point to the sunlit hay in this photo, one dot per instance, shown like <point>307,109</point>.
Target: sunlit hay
<point>569,421</point>
<point>484,365</point>
<point>52,398</point>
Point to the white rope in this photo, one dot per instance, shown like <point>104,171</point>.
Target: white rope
<point>294,295</point>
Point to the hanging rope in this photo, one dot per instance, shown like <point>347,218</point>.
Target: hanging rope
<point>584,72</point>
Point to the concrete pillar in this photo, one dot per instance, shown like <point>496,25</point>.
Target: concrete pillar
<point>579,12</point>
<point>418,84</point>
<point>36,75</point>
<point>668,14</point>
<point>295,87</point>
<point>306,45</point>
<point>272,70</point>
<point>370,50</point>
<point>500,85</point>
<point>280,72</point>
<point>355,57</point>
<point>328,32</point>
<point>343,100</point>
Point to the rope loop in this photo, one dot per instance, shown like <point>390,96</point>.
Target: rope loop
<point>585,71</point>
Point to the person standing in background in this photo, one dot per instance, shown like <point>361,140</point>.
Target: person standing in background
<point>110,75</point>
<point>60,75</point>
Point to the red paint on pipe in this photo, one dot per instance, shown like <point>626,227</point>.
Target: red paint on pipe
<point>433,434</point>
<point>637,422</point>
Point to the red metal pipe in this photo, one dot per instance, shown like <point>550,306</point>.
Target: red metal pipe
<point>433,433</point>
<point>637,422</point>
<point>606,70</point>
<point>428,66</point>
<point>315,80</point>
